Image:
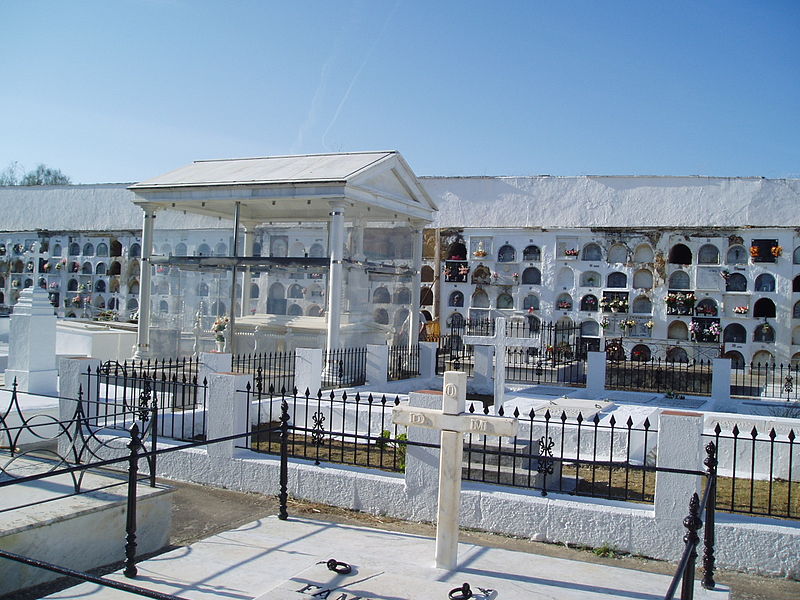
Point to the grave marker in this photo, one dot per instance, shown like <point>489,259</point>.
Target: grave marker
<point>499,341</point>
<point>453,424</point>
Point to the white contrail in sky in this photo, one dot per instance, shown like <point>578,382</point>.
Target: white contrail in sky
<point>357,73</point>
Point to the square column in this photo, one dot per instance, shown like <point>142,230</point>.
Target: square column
<point>143,328</point>
<point>416,285</point>
<point>336,250</point>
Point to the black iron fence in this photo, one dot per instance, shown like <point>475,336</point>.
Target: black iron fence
<point>546,352</point>
<point>759,468</point>
<point>403,362</point>
<point>47,448</point>
<point>344,367</point>
<point>114,390</point>
<point>698,510</point>
<point>766,380</point>
<point>270,369</point>
<point>661,376</point>
<point>329,427</point>
<point>555,451</point>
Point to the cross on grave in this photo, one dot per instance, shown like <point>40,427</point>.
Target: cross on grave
<point>453,424</point>
<point>500,342</point>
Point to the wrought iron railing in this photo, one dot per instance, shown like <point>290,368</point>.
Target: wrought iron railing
<point>553,451</point>
<point>114,389</point>
<point>660,376</point>
<point>330,427</point>
<point>403,362</point>
<point>759,469</point>
<point>698,510</point>
<point>766,380</point>
<point>275,369</point>
<point>344,367</point>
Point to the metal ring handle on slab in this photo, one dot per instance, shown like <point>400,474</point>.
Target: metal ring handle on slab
<point>342,568</point>
<point>460,593</point>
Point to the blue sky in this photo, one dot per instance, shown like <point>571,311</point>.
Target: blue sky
<point>126,90</point>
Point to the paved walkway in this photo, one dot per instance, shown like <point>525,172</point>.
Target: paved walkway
<point>276,559</point>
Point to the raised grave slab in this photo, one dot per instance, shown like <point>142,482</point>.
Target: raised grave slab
<point>363,583</point>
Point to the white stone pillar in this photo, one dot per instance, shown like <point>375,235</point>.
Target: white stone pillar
<point>143,329</point>
<point>307,370</point>
<point>227,412</point>
<point>416,286</point>
<point>422,463</point>
<point>596,375</point>
<point>249,240</point>
<point>482,381</point>
<point>213,362</point>
<point>680,446</point>
<point>377,363</point>
<point>32,344</point>
<point>336,252</point>
<point>720,382</point>
<point>427,359</point>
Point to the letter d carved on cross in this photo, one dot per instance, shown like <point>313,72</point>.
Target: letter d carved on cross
<point>416,418</point>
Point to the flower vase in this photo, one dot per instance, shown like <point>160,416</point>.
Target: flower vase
<point>220,345</point>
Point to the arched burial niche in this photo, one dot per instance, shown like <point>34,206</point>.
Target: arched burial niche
<point>764,333</point>
<point>456,299</point>
<point>736,255</point>
<point>480,299</point>
<point>643,254</point>
<point>531,276</point>
<point>736,282</point>
<point>679,280</point>
<point>590,279</point>
<point>532,254</point>
<point>737,360</point>
<point>643,279</point>
<point>617,280</point>
<point>506,253</point>
<point>708,254</point>
<point>566,278</point>
<point>457,251</point>
<point>765,283</point>
<point>764,307</point>
<point>680,254</point>
<point>678,330</point>
<point>618,253</point>
<point>734,334</point>
<point>592,252</point>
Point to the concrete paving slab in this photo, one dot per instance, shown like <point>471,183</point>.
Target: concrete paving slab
<point>264,559</point>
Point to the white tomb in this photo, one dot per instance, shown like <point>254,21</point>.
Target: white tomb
<point>32,344</point>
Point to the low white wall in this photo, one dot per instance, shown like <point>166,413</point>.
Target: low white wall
<point>763,546</point>
<point>95,341</point>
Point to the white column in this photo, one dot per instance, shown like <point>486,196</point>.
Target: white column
<point>416,260</point>
<point>307,370</point>
<point>377,363</point>
<point>680,446</point>
<point>720,383</point>
<point>143,330</point>
<point>596,376</point>
<point>336,252</point>
<point>249,239</point>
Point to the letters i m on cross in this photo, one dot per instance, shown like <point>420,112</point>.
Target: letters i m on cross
<point>453,423</point>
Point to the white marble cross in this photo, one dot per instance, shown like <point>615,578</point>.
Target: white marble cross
<point>500,342</point>
<point>453,424</point>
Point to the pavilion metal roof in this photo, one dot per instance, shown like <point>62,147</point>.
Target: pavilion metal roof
<point>376,185</point>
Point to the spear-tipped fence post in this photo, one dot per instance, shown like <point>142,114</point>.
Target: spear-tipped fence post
<point>692,523</point>
<point>283,497</point>
<point>130,523</point>
<point>711,504</point>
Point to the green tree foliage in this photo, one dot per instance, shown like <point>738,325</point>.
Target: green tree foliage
<point>41,175</point>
